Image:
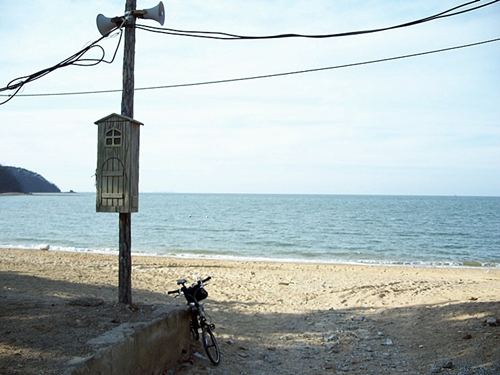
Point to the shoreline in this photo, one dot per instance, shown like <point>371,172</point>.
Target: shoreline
<point>439,265</point>
<point>424,232</point>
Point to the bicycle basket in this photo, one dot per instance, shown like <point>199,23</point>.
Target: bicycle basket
<point>195,293</point>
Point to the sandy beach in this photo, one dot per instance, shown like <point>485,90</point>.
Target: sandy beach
<point>271,318</point>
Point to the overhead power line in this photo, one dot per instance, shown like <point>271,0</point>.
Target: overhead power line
<point>270,75</point>
<point>226,36</point>
<point>76,59</point>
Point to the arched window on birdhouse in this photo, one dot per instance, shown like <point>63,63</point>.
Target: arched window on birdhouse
<point>113,138</point>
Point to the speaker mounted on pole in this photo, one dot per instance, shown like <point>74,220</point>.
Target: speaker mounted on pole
<point>105,25</point>
<point>156,13</point>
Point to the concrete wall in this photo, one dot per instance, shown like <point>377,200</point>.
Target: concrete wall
<point>152,348</point>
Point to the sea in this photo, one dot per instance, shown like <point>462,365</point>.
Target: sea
<point>434,231</point>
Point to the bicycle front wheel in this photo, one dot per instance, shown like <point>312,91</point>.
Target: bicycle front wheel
<point>210,345</point>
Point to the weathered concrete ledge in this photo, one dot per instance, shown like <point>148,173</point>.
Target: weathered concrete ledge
<point>139,348</point>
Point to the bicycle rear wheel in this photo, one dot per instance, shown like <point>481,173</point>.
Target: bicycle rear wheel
<point>210,344</point>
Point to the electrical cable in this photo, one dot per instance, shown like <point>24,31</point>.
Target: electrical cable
<point>76,59</point>
<point>226,36</point>
<point>18,83</point>
<point>269,75</point>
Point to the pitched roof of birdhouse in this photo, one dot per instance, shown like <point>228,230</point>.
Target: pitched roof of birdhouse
<point>111,117</point>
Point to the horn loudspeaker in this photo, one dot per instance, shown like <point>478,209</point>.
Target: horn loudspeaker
<point>156,13</point>
<point>105,24</point>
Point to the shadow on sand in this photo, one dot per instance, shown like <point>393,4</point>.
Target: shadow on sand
<point>40,330</point>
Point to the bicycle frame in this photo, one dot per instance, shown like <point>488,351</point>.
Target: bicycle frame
<point>199,319</point>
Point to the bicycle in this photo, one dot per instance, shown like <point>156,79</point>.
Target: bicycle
<point>193,295</point>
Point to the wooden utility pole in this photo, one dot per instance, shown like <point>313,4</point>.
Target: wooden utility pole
<point>125,236</point>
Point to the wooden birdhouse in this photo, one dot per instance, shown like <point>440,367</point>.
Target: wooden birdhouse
<point>117,173</point>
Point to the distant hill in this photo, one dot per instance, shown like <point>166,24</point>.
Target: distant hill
<point>20,180</point>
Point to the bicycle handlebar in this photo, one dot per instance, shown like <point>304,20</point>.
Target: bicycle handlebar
<point>178,291</point>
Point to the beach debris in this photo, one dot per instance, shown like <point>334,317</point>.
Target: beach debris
<point>331,337</point>
<point>447,364</point>
<point>492,322</point>
<point>131,307</point>
<point>333,346</point>
<point>472,298</point>
<point>243,353</point>
<point>200,356</point>
<point>44,247</point>
<point>468,336</point>
<point>388,342</point>
<point>435,370</point>
<point>440,366</point>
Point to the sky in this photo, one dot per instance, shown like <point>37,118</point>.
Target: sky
<point>426,125</point>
